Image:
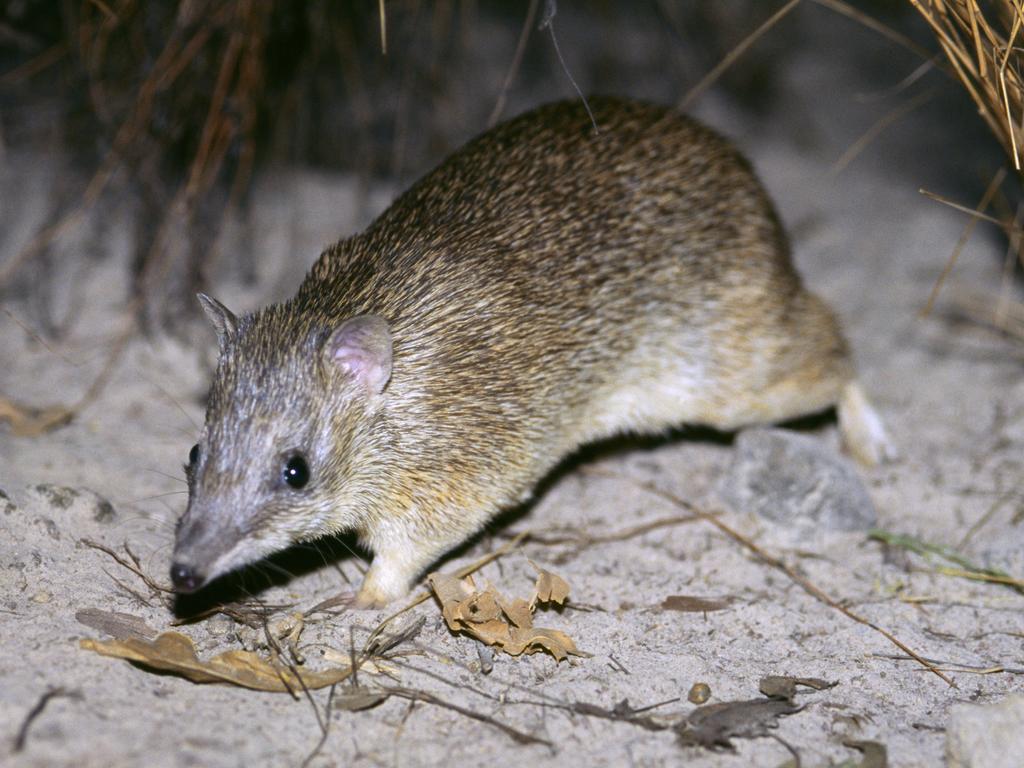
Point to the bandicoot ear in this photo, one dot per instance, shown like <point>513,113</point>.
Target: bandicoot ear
<point>224,321</point>
<point>361,348</point>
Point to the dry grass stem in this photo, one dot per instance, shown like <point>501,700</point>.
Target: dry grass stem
<point>581,540</point>
<point>878,127</point>
<point>965,236</point>
<point>1007,316</point>
<point>735,54</point>
<point>875,25</point>
<point>981,44</point>
<point>130,564</point>
<point>517,60</point>
<point>802,581</point>
<point>425,697</point>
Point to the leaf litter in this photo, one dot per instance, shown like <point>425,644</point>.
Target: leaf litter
<point>174,652</point>
<point>496,621</point>
<point>504,623</point>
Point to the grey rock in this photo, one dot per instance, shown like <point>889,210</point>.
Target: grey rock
<point>986,736</point>
<point>791,478</point>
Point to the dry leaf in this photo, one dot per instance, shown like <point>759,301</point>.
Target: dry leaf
<point>450,592</point>
<point>32,422</point>
<point>506,624</point>
<point>174,652</point>
<point>785,687</point>
<point>550,588</point>
<point>518,611</point>
<point>691,604</point>
<point>357,698</point>
<point>116,624</point>
<point>366,666</point>
<point>533,639</point>
<point>480,608</point>
<point>713,726</point>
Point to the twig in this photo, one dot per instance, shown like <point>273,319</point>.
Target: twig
<point>986,60</point>
<point>791,572</point>
<point>621,712</point>
<point>961,207</point>
<point>324,729</point>
<point>734,54</point>
<point>1006,317</point>
<point>50,56</point>
<point>994,507</point>
<point>954,666</point>
<point>517,60</point>
<point>149,582</point>
<point>986,198</point>
<point>878,127</point>
<point>412,694</point>
<point>36,711</point>
<point>884,30</point>
<point>583,540</point>
<point>276,654</point>
<point>39,243</point>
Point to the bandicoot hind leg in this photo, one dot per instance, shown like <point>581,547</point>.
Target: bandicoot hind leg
<point>862,428</point>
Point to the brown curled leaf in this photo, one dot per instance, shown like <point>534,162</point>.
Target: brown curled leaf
<point>480,608</point>
<point>450,592</point>
<point>550,587</point>
<point>537,639</point>
<point>506,624</point>
<point>494,633</point>
<point>518,611</point>
<point>174,652</point>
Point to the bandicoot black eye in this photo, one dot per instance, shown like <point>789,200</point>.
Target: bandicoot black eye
<point>296,472</point>
<point>193,455</point>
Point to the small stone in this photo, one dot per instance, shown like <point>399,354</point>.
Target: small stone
<point>42,597</point>
<point>791,478</point>
<point>986,736</point>
<point>220,624</point>
<point>699,693</point>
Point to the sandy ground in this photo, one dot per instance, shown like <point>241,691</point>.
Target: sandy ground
<point>950,391</point>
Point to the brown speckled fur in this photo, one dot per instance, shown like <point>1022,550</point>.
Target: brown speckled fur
<point>544,287</point>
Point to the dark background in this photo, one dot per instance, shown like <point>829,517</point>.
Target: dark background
<point>170,110</point>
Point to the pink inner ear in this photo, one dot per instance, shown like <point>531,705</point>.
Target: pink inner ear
<point>361,348</point>
<point>353,362</point>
